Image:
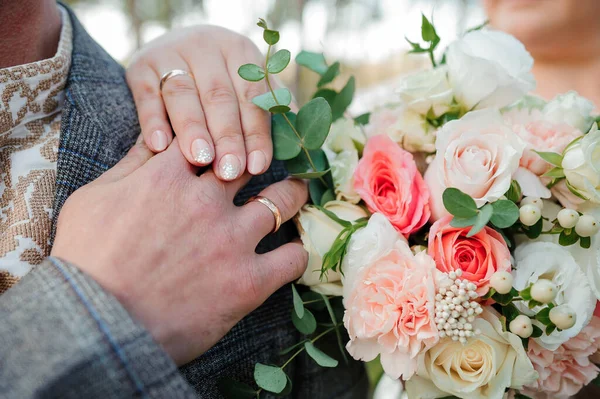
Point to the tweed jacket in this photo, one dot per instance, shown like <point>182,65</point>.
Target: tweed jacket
<point>62,336</point>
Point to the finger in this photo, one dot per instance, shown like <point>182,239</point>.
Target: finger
<point>185,112</point>
<point>230,188</point>
<point>136,157</point>
<point>173,162</point>
<point>221,110</point>
<point>288,196</point>
<point>155,126</point>
<point>280,266</point>
<point>256,123</point>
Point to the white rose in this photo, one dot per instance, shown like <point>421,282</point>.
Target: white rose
<point>425,90</point>
<point>476,154</point>
<point>572,109</point>
<point>318,232</point>
<point>405,126</point>
<point>553,262</point>
<point>482,368</point>
<point>489,69</point>
<point>581,164</point>
<point>589,262</point>
<point>340,150</point>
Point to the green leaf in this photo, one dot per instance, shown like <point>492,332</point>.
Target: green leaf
<point>313,300</point>
<point>328,94</point>
<point>533,303</point>
<point>505,299</point>
<point>328,195</point>
<point>585,242</point>
<point>316,189</point>
<point>278,61</point>
<point>338,334</point>
<point>556,173</point>
<point>334,217</point>
<point>537,332</point>
<point>251,72</point>
<point>506,213</point>
<point>483,217</point>
<point>288,388</point>
<point>298,305</point>
<point>307,324</point>
<point>514,193</point>
<point>262,23</point>
<point>270,378</point>
<point>566,239</point>
<point>291,348</point>
<point>416,47</point>
<point>343,99</point>
<point>510,311</point>
<point>313,123</point>
<point>313,61</point>
<point>363,119</point>
<point>271,36</point>
<point>286,144</point>
<point>550,157</point>
<point>526,293</point>
<point>463,222</point>
<point>266,101</point>
<point>543,316</point>
<point>232,389</point>
<point>427,30</point>
<point>489,294</point>
<point>280,109</point>
<point>535,230</point>
<point>319,356</point>
<point>458,203</point>
<point>550,329</point>
<point>310,175</point>
<point>300,164</point>
<point>332,72</point>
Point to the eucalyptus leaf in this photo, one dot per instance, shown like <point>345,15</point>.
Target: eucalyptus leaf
<point>286,144</point>
<point>232,389</point>
<point>313,123</point>
<point>313,300</point>
<point>278,61</point>
<point>319,356</point>
<point>271,37</point>
<point>363,119</point>
<point>328,195</point>
<point>279,109</point>
<point>458,203</point>
<point>251,72</point>
<point>463,222</point>
<point>307,324</point>
<point>483,217</point>
<point>266,101</point>
<point>310,175</point>
<point>298,305</point>
<point>327,94</point>
<point>270,378</point>
<point>288,388</point>
<point>316,189</point>
<point>506,213</point>
<point>343,99</point>
<point>332,72</point>
<point>313,61</point>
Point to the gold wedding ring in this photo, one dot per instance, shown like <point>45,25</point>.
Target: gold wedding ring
<point>172,74</point>
<point>272,207</point>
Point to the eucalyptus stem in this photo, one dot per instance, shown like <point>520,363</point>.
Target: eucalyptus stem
<point>310,161</point>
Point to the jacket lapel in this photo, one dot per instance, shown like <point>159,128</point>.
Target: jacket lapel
<point>99,120</point>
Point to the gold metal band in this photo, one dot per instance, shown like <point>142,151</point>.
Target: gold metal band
<point>272,207</point>
<point>172,74</point>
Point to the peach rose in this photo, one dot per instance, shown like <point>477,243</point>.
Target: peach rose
<point>478,256</point>
<point>389,296</point>
<point>388,181</point>
<point>476,154</point>
<point>565,371</point>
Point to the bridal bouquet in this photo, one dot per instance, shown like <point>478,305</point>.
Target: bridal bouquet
<point>453,232</point>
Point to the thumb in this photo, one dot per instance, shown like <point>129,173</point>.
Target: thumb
<point>136,157</point>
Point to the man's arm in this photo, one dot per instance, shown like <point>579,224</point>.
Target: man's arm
<point>62,336</point>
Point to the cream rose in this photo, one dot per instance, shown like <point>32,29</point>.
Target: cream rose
<point>535,260</point>
<point>572,109</point>
<point>476,154</point>
<point>581,164</point>
<point>427,90</point>
<point>341,151</point>
<point>318,232</point>
<point>489,69</point>
<point>482,368</point>
<point>405,126</point>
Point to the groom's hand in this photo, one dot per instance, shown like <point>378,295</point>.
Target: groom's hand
<point>175,250</point>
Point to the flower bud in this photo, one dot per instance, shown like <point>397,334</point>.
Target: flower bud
<point>529,214</point>
<point>587,226</point>
<point>521,326</point>
<point>544,291</point>
<point>533,201</point>
<point>567,218</point>
<point>501,282</point>
<point>563,317</point>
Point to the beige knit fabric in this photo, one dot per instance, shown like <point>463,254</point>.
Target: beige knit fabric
<point>31,102</point>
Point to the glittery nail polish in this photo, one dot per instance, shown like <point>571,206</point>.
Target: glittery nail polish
<point>229,167</point>
<point>202,151</point>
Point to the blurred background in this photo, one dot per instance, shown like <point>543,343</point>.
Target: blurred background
<point>366,36</point>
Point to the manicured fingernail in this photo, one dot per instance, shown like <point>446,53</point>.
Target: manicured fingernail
<point>229,167</point>
<point>159,140</point>
<point>256,162</point>
<point>202,151</point>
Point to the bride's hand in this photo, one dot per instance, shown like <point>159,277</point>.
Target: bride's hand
<point>209,109</point>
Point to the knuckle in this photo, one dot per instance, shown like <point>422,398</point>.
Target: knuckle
<point>219,94</point>
<point>179,85</point>
<point>229,137</point>
<point>250,91</point>
<point>143,90</point>
<point>190,124</point>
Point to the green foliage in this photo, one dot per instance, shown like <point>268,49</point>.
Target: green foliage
<point>313,123</point>
<point>286,144</point>
<point>268,100</point>
<point>328,94</point>
<point>550,157</point>
<point>313,300</point>
<point>271,37</point>
<point>343,99</point>
<point>458,203</point>
<point>232,389</point>
<point>279,61</point>
<point>251,72</point>
<point>333,317</point>
<point>537,332</point>
<point>505,299</point>
<point>298,304</point>
<point>313,61</point>
<point>555,173</point>
<point>514,192</point>
<point>307,324</point>
<point>317,190</point>
<point>585,242</point>
<point>334,258</point>
<point>332,72</point>
<point>567,237</point>
<point>363,119</point>
<point>482,219</point>
<point>535,230</point>
<point>526,293</point>
<point>543,316</point>
<point>511,312</point>
<point>319,356</point>
<point>506,213</point>
<point>429,35</point>
<point>270,378</point>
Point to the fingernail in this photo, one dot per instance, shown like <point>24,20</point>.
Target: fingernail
<point>159,140</point>
<point>229,167</point>
<point>256,162</point>
<point>202,151</point>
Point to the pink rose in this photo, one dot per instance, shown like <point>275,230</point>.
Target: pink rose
<point>476,154</point>
<point>389,296</point>
<point>388,181</point>
<point>478,256</point>
<point>565,371</point>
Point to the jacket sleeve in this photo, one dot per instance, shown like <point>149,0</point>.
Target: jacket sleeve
<point>62,336</point>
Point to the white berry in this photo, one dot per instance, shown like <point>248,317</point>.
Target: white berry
<point>567,218</point>
<point>544,291</point>
<point>587,226</point>
<point>529,214</point>
<point>521,326</point>
<point>533,201</point>
<point>501,282</point>
<point>563,317</point>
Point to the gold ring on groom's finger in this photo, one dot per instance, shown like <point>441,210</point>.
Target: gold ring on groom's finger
<point>272,207</point>
<point>172,74</point>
